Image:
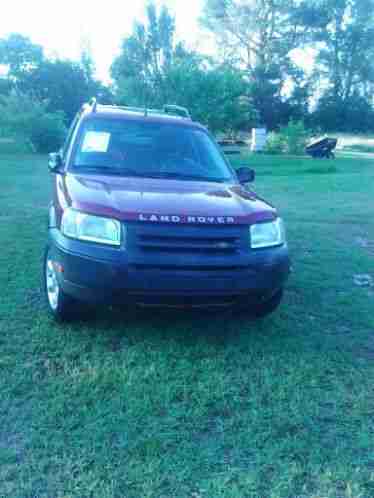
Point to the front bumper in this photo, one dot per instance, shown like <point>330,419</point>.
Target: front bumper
<point>94,273</point>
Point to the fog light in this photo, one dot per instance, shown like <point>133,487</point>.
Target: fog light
<point>58,267</point>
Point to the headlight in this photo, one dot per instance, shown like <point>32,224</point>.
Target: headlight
<point>83,226</point>
<point>268,234</point>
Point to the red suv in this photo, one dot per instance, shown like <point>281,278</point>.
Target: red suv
<point>147,210</point>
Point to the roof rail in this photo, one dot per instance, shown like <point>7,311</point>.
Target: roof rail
<point>176,110</point>
<point>169,109</point>
<point>143,110</point>
<point>93,104</point>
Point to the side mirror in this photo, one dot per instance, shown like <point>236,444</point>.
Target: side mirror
<point>55,163</point>
<point>245,175</point>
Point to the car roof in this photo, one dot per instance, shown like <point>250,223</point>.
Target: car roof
<point>140,115</point>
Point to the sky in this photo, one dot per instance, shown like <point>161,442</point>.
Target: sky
<point>64,27</point>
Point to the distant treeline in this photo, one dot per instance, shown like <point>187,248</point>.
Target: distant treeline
<point>253,80</point>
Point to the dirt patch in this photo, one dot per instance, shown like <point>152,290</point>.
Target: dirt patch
<point>363,280</point>
<point>366,352</point>
<point>15,430</point>
<point>365,243</point>
<point>34,298</point>
<point>118,343</point>
<point>13,443</point>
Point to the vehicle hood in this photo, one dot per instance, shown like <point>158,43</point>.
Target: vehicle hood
<point>158,200</point>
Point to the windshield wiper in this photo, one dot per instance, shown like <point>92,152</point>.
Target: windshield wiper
<point>184,176</point>
<point>106,170</point>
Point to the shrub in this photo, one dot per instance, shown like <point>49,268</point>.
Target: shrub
<point>27,119</point>
<point>295,137</point>
<point>275,144</point>
<point>291,139</point>
<point>48,132</point>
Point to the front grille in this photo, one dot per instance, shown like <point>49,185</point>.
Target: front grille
<point>180,268</point>
<point>184,301</point>
<point>196,240</point>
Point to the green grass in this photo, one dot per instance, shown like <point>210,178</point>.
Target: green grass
<point>180,405</point>
<point>14,146</point>
<point>360,148</point>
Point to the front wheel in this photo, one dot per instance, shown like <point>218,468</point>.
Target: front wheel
<point>263,309</point>
<point>268,307</point>
<point>60,305</point>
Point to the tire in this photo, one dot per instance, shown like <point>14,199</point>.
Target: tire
<point>264,309</point>
<point>270,306</point>
<point>61,306</point>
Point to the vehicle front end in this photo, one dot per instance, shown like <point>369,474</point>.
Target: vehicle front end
<point>147,211</point>
<point>215,262</point>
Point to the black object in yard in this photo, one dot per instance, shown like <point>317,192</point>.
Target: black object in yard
<point>322,148</point>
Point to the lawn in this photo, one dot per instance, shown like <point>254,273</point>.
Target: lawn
<point>185,405</point>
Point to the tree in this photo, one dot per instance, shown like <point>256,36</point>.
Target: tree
<point>5,86</point>
<point>352,114</point>
<point>20,55</point>
<point>344,65</point>
<point>215,95</point>
<point>259,36</point>
<point>346,55</point>
<point>154,69</point>
<point>86,60</point>
<point>65,85</point>
<point>29,120</point>
<point>145,59</point>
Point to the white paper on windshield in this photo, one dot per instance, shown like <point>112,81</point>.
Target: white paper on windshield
<point>96,141</point>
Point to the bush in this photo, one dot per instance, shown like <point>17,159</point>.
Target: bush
<point>291,139</point>
<point>26,119</point>
<point>354,114</point>
<point>48,133</point>
<point>275,144</point>
<point>295,137</point>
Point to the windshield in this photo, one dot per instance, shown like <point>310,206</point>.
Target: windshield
<point>151,150</point>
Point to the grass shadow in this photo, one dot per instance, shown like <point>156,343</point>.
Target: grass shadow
<point>118,328</point>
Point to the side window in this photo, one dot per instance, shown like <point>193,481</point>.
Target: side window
<point>66,145</point>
